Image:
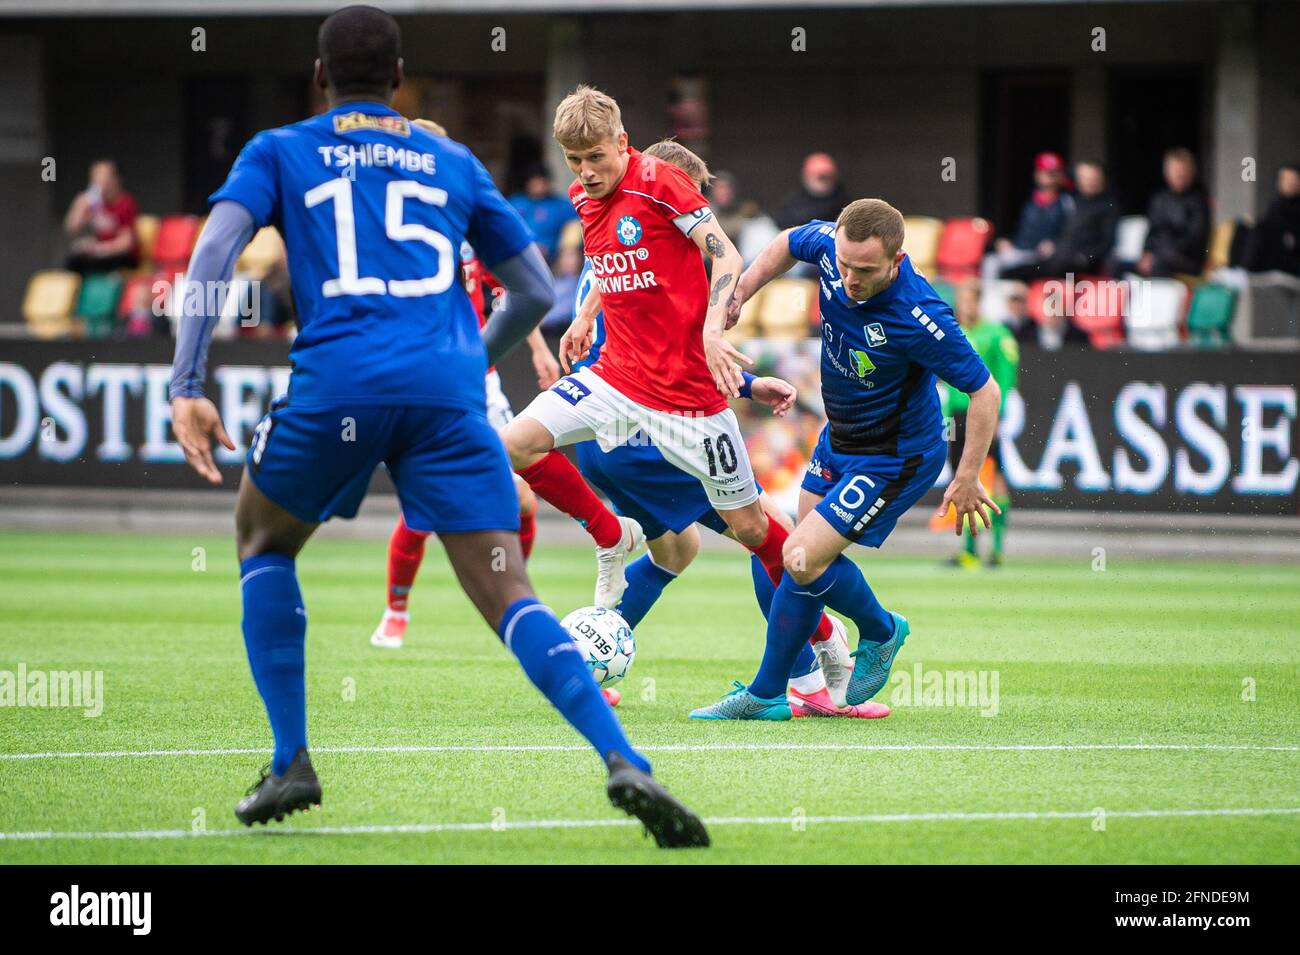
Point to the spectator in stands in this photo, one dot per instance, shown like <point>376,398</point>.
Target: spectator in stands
<point>100,223</point>
<point>545,212</point>
<point>1180,221</point>
<point>1042,219</point>
<point>1275,242</point>
<point>1087,236</point>
<point>1051,334</point>
<point>724,200</point>
<point>820,194</point>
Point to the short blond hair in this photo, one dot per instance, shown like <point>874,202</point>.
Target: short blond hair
<point>671,151</point>
<point>586,117</point>
<point>864,219</point>
<point>431,126</point>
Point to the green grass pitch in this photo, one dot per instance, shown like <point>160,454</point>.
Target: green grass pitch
<point>1086,661</point>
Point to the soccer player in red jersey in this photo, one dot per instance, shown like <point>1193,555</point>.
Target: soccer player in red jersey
<point>665,368</point>
<point>405,546</point>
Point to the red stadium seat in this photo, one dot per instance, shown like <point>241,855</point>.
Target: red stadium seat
<point>1099,305</point>
<point>1039,300</point>
<point>961,246</point>
<point>175,242</point>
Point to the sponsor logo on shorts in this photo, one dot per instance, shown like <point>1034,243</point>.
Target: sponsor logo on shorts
<point>819,469</point>
<point>842,514</point>
<point>571,390</point>
<point>629,230</point>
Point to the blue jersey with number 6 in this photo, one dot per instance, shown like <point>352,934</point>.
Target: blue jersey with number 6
<point>373,211</point>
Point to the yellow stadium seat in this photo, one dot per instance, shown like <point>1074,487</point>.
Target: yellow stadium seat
<point>747,326</point>
<point>921,241</point>
<point>785,309</point>
<point>571,236</point>
<point>50,301</point>
<point>146,233</point>
<point>261,254</point>
<point>1220,245</point>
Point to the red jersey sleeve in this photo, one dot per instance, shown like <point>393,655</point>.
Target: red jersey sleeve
<point>673,191</point>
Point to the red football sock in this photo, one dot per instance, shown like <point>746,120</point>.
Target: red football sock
<point>527,532</point>
<point>558,482</point>
<point>769,555</point>
<point>405,551</point>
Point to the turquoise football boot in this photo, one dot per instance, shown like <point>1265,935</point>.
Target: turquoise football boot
<point>873,661</point>
<point>740,704</point>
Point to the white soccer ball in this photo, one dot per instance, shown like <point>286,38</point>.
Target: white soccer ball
<point>605,639</point>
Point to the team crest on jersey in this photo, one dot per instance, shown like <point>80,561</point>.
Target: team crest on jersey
<point>862,365</point>
<point>354,122</point>
<point>875,335</point>
<point>629,230</point>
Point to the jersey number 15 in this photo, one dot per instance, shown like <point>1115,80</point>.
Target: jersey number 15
<point>349,281</point>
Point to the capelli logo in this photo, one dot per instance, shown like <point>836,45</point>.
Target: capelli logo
<point>103,908</point>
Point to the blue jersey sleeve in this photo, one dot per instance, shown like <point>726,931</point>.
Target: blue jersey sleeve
<point>808,242</point>
<point>496,231</point>
<point>253,182</point>
<point>938,343</point>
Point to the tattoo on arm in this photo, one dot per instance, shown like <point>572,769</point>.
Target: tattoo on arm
<point>718,286</point>
<point>715,245</point>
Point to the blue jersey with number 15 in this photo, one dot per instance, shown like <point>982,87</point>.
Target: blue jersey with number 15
<point>373,211</point>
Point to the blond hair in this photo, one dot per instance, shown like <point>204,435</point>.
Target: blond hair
<point>671,151</point>
<point>586,117</point>
<point>864,219</point>
<point>431,126</point>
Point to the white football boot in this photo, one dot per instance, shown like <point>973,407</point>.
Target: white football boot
<point>834,659</point>
<point>391,630</point>
<point>610,561</point>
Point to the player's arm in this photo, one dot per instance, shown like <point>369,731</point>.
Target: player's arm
<point>777,393</point>
<point>775,259</point>
<point>544,364</point>
<point>965,492</point>
<point>576,343</point>
<point>530,295</point>
<point>722,356</point>
<point>195,419</point>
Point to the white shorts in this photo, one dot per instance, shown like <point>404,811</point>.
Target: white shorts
<point>709,447</point>
<point>499,413</point>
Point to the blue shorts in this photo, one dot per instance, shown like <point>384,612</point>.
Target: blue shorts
<point>450,468</point>
<point>864,495</point>
<point>642,485</point>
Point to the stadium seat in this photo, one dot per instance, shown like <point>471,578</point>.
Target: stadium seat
<point>146,237</point>
<point>961,246</point>
<point>1130,237</point>
<point>261,254</point>
<point>1210,316</point>
<point>921,241</point>
<point>786,310</point>
<point>175,242</point>
<point>946,291</point>
<point>1220,245</point>
<point>1099,305</point>
<point>1155,308</point>
<point>49,302</point>
<point>571,236</point>
<point>1039,301</point>
<point>97,303</point>
<point>747,325</point>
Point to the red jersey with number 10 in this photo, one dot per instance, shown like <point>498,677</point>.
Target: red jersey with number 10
<point>653,289</point>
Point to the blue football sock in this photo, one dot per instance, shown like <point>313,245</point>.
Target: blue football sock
<point>646,580</point>
<point>275,631</point>
<point>845,590</point>
<point>554,664</point>
<point>793,615</point>
<point>764,590</point>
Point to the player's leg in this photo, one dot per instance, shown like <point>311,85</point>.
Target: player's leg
<point>453,458</point>
<point>647,577</point>
<point>572,411</point>
<point>1002,498</point>
<point>527,516</point>
<point>405,554</point>
<point>968,556</point>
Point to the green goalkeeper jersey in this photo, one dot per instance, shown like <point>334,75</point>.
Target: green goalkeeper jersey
<point>1000,351</point>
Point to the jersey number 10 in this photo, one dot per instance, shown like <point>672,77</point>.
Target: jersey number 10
<point>349,281</point>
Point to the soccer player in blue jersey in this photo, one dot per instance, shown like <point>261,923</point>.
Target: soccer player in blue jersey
<point>886,334</point>
<point>667,502</point>
<point>388,368</point>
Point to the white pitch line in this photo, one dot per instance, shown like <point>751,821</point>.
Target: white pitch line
<point>536,824</point>
<point>684,748</point>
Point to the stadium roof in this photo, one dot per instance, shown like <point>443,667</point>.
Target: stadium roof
<point>181,8</point>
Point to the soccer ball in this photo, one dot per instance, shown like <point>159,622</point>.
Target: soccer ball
<point>605,639</point>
